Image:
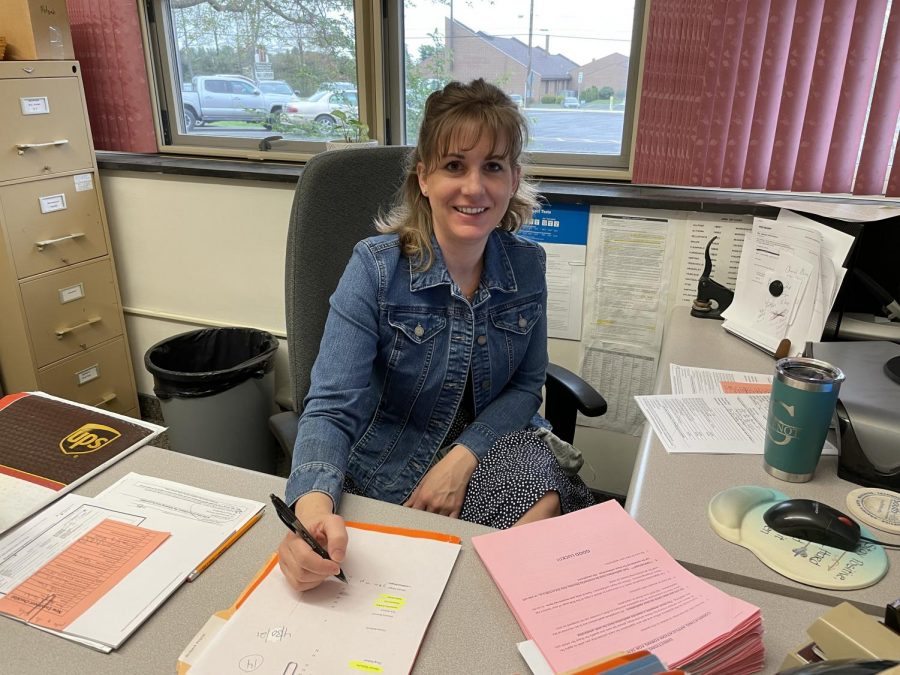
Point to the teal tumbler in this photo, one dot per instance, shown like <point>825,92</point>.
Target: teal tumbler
<point>804,393</point>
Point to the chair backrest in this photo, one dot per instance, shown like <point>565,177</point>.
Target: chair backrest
<point>335,204</point>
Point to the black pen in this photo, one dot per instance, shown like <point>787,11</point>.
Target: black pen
<point>288,518</point>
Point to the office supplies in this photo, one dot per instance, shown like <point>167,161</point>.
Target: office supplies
<point>224,546</point>
<point>295,526</point>
<point>712,297</point>
<point>868,424</point>
<point>844,632</point>
<point>198,522</point>
<point>593,582</point>
<point>48,446</point>
<point>876,508</point>
<point>374,624</point>
<point>814,521</point>
<point>737,515</point>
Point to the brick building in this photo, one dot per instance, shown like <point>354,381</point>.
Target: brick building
<point>608,71</point>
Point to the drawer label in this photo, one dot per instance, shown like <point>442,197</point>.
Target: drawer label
<point>52,203</point>
<point>88,374</point>
<point>83,182</point>
<point>34,105</point>
<point>71,293</point>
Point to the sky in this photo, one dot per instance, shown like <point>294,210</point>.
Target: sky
<point>578,29</point>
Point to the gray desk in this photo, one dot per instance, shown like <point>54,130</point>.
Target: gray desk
<point>669,494</point>
<point>472,630</point>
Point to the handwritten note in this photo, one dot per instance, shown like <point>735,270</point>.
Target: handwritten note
<point>60,591</point>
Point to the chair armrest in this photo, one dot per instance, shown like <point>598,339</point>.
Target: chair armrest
<point>586,399</point>
<point>284,427</point>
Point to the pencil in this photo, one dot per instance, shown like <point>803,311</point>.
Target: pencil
<point>225,545</point>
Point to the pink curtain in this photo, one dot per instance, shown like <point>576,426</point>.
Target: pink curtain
<point>770,94</point>
<point>106,35</point>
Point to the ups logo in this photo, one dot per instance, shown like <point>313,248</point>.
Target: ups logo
<point>87,439</point>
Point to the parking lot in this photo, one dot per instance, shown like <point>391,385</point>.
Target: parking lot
<point>568,131</point>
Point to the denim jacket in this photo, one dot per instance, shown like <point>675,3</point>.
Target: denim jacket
<point>394,360</point>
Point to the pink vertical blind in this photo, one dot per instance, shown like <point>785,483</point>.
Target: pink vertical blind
<point>771,94</point>
<point>106,35</point>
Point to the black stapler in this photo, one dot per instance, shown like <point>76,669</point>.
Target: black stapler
<point>712,297</point>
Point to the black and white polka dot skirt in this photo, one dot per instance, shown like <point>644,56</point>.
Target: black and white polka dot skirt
<point>516,472</point>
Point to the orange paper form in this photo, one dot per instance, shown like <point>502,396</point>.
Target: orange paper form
<point>593,581</point>
<point>60,591</point>
<point>745,387</point>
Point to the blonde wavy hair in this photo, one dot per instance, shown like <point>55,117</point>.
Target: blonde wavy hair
<point>458,116</point>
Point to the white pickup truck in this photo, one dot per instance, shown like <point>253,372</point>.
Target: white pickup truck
<point>216,98</point>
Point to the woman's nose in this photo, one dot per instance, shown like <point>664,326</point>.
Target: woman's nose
<point>474,183</point>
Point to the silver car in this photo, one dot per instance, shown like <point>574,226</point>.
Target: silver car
<point>320,105</point>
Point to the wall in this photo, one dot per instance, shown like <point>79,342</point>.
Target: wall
<point>192,252</point>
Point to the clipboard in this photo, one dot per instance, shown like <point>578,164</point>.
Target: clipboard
<point>218,620</point>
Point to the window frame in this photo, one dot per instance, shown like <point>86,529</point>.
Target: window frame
<point>381,92</point>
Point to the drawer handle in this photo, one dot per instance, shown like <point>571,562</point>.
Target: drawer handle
<point>41,245</point>
<point>22,147</point>
<point>90,322</point>
<point>108,398</point>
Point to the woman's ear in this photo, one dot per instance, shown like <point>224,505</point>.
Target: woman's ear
<point>420,172</point>
<point>517,175</point>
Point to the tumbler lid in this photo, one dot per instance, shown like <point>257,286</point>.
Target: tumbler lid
<point>809,374</point>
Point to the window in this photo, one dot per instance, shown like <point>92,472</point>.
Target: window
<point>233,74</point>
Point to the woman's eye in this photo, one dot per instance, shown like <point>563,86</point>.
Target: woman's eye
<point>453,166</point>
<point>494,166</point>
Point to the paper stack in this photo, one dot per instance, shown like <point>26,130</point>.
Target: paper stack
<point>594,582</point>
<point>789,276</point>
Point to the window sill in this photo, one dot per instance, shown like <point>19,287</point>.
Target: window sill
<point>609,193</point>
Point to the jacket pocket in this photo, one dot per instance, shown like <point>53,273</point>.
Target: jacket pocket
<point>519,318</point>
<point>418,325</point>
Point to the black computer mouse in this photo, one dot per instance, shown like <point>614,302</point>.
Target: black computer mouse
<point>813,521</point>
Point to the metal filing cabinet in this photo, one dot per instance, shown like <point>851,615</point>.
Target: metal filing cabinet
<point>61,324</point>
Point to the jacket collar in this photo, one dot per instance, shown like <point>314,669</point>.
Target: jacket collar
<point>496,275</point>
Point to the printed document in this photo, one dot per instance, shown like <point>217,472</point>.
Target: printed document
<point>373,624</point>
<point>595,582</point>
<point>197,520</point>
<point>711,424</point>
<point>692,380</point>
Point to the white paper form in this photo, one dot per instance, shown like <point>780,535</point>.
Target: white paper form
<point>708,424</point>
<point>691,380</point>
<point>630,261</point>
<point>373,624</point>
<point>725,252</point>
<point>198,520</point>
<point>562,231</point>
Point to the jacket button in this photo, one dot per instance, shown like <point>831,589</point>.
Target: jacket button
<point>482,340</point>
<point>486,384</point>
<point>522,322</point>
<point>419,331</point>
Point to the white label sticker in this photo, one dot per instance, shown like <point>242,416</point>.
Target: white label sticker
<point>52,203</point>
<point>71,293</point>
<point>83,182</point>
<point>35,105</point>
<point>88,374</point>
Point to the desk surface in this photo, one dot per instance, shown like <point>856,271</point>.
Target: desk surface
<point>472,630</point>
<point>669,494</point>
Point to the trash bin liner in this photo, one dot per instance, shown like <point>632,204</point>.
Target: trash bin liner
<point>207,361</point>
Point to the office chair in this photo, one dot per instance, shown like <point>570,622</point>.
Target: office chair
<point>337,198</point>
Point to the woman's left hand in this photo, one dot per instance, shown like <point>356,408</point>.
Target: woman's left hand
<point>443,488</point>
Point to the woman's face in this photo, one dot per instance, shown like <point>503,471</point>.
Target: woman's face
<point>469,192</point>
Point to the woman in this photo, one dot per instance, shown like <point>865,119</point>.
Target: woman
<point>435,348</point>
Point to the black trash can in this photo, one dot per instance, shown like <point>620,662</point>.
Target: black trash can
<point>216,390</point>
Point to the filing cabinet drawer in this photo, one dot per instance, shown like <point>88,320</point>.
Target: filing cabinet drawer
<point>71,310</point>
<point>99,377</point>
<point>52,223</point>
<point>44,130</point>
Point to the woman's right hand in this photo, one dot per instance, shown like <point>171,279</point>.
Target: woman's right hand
<point>303,568</point>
